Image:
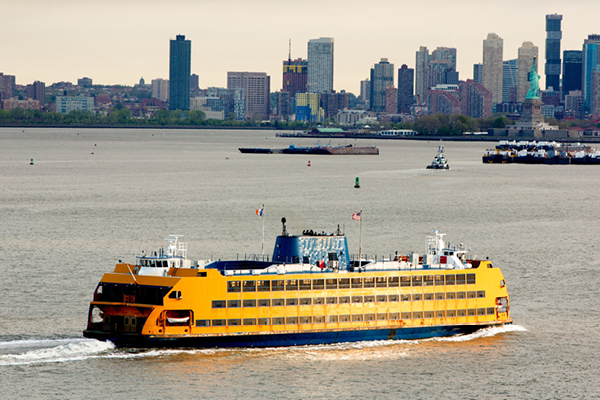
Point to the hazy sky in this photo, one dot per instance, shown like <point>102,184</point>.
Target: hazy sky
<point>119,41</point>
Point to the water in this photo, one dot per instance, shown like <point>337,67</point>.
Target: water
<point>72,215</point>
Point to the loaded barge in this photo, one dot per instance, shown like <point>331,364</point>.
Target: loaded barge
<point>524,152</point>
<point>323,150</point>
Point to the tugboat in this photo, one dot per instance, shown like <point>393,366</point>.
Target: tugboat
<point>439,162</point>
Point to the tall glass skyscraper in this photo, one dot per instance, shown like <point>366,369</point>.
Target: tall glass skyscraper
<point>320,66</point>
<point>591,54</point>
<point>180,73</point>
<point>553,36</point>
<point>572,68</point>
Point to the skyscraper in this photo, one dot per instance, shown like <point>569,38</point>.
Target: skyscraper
<point>295,76</point>
<point>7,86</point>
<point>553,36</point>
<point>527,52</point>
<point>509,78</point>
<point>591,58</point>
<point>572,69</point>
<point>365,91</point>
<point>492,66</point>
<point>320,65</point>
<point>256,87</point>
<point>382,77</point>
<point>421,73</point>
<point>406,83</point>
<point>180,73</point>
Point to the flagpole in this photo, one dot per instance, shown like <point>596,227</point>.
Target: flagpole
<point>263,237</point>
<point>360,241</point>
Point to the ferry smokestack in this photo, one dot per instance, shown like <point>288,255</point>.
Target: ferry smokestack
<point>283,220</point>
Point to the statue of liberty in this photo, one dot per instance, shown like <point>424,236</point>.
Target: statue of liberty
<point>534,80</point>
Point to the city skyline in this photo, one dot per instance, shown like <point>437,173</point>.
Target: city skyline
<point>124,42</point>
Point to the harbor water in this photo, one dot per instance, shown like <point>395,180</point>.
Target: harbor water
<point>96,196</point>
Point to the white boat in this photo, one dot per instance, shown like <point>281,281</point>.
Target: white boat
<point>439,162</point>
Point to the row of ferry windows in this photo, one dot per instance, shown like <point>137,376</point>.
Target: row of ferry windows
<point>307,301</point>
<point>348,318</point>
<point>350,283</point>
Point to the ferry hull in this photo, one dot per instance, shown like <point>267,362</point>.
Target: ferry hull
<point>286,339</point>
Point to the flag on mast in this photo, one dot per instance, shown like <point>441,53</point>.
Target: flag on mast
<point>260,212</point>
<point>356,216</point>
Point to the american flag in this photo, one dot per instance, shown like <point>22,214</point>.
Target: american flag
<point>356,216</point>
<point>259,212</point>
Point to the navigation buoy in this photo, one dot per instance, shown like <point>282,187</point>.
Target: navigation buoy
<point>308,164</point>
<point>357,183</point>
<point>95,144</point>
<point>31,163</point>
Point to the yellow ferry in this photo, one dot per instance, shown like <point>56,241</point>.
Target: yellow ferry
<point>310,292</point>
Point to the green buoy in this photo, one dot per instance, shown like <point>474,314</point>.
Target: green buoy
<point>357,183</point>
<point>31,163</point>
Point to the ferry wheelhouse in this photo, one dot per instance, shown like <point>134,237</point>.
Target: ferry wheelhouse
<point>310,292</point>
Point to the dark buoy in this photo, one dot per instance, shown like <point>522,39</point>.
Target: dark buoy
<point>31,163</point>
<point>357,183</point>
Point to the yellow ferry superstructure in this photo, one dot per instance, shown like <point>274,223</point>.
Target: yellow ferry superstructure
<point>310,293</point>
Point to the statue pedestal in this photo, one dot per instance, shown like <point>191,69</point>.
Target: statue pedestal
<point>532,113</point>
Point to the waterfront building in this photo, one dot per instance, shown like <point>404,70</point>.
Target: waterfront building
<point>492,66</point>
<point>406,79</point>
<point>160,89</point>
<point>527,52</point>
<point>591,58</point>
<point>509,78</point>
<point>572,71</point>
<point>308,107</point>
<point>256,87</point>
<point>478,73</point>
<point>391,100</point>
<point>37,91</point>
<point>66,104</point>
<point>475,99</point>
<point>320,66</point>
<point>382,77</point>
<point>7,86</point>
<point>295,76</point>
<point>12,103</point>
<point>553,37</point>
<point>421,65</point>
<point>180,59</point>
<point>84,82</point>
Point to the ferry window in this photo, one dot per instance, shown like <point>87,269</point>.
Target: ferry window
<point>344,318</point>
<point>471,312</point>
<point>279,321</point>
<point>381,298</point>
<point>291,320</point>
<point>417,297</point>
<point>357,318</point>
<point>306,320</point>
<point>417,315</point>
<point>481,294</point>
<point>277,286</point>
<point>428,296</point>
<point>218,322</point>
<point>234,303</point>
<point>381,281</point>
<point>369,282</point>
<point>249,303</point>
<point>291,302</point>
<point>393,281</point>
<point>203,322</point>
<point>318,300</point>
<point>369,317</point>
<point>234,286</point>
<point>440,314</point>
<point>356,283</point>
<point>405,297</point>
<point>460,295</point>
<point>470,279</point>
<point>369,299</point>
<point>344,300</point>
<point>393,297</point>
<point>219,304</point>
<point>450,279</point>
<point>319,319</point>
<point>405,315</point>
<point>345,283</point>
<point>440,296</point>
<point>439,280</point>
<point>249,321</point>
<point>264,321</point>
<point>460,313</point>
<point>382,317</point>
<point>450,296</point>
<point>305,284</point>
<point>201,274</point>
<point>332,318</point>
<point>481,311</point>
<point>428,314</point>
<point>460,279</point>
<point>405,281</point>
<point>417,280</point>
<point>291,284</point>
<point>175,294</point>
<point>451,313</point>
<point>263,286</point>
<point>357,299</point>
<point>305,301</point>
<point>491,311</point>
<point>278,302</point>
<point>318,284</point>
<point>264,303</point>
<point>471,295</point>
<point>234,322</point>
<point>428,280</point>
<point>331,284</point>
<point>332,300</point>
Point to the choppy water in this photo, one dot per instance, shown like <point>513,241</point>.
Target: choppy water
<point>68,218</point>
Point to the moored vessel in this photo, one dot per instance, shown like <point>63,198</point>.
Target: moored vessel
<point>310,292</point>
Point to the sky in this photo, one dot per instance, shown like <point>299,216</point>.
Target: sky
<point>120,41</point>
